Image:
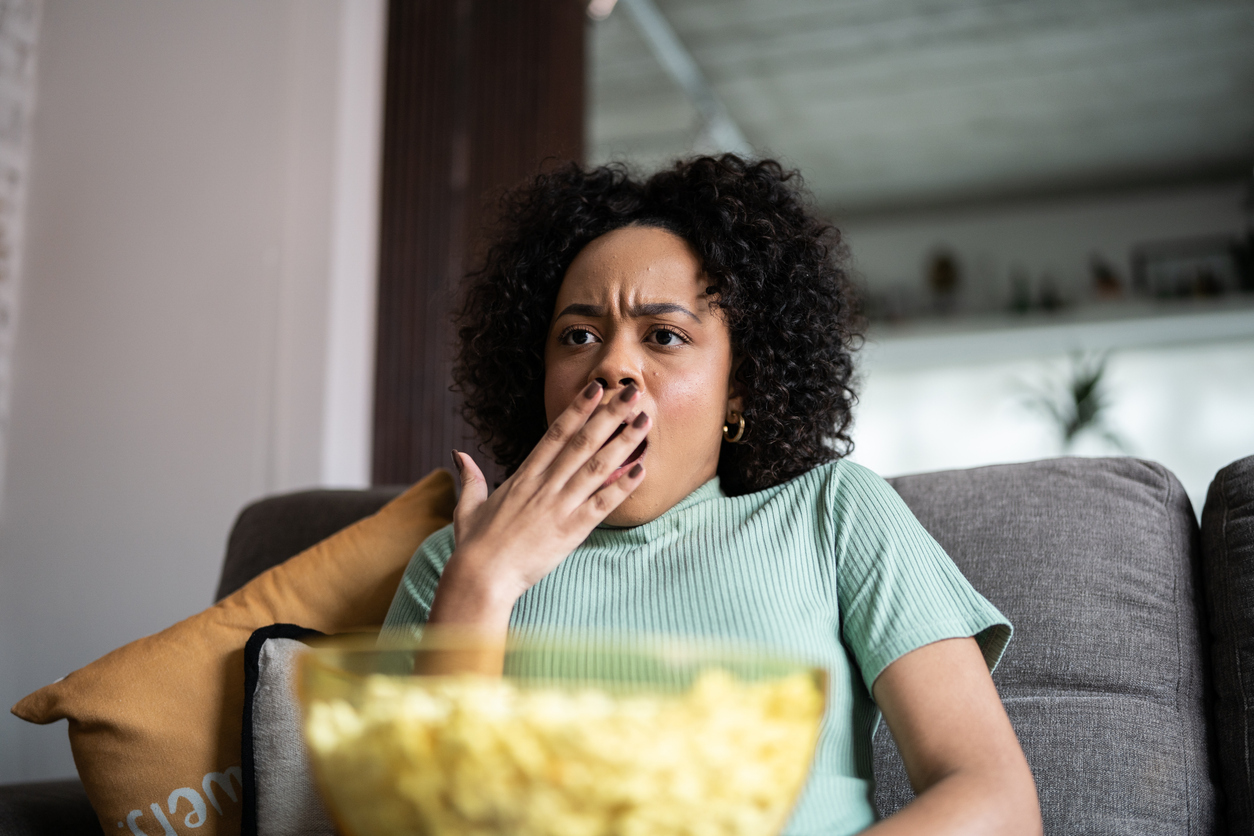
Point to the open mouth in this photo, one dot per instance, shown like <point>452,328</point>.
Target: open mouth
<point>636,455</point>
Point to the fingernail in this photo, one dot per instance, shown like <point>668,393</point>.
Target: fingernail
<point>457,460</point>
<point>635,471</point>
<point>640,421</point>
<point>592,390</point>
<point>627,394</point>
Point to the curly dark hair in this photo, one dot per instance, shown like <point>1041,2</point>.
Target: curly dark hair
<point>781,287</point>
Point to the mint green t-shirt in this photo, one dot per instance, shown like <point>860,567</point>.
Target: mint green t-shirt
<point>830,566</point>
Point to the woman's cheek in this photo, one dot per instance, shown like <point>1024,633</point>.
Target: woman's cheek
<point>561,384</point>
<point>693,400</point>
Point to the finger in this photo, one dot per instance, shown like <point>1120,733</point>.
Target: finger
<point>607,463</point>
<point>563,429</point>
<point>602,503</point>
<point>474,489</point>
<point>589,438</point>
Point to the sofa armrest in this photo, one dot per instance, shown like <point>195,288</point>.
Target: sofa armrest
<point>1228,552</point>
<point>47,808</point>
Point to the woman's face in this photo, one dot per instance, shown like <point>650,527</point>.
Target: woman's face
<point>632,309</point>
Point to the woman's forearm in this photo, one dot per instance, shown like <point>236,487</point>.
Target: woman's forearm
<point>957,744</point>
<point>968,804</point>
<point>470,612</point>
<point>470,598</point>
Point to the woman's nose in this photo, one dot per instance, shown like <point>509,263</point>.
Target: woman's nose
<point>618,368</point>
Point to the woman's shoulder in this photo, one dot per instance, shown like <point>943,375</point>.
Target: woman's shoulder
<point>843,493</point>
<point>840,479</point>
<point>850,471</point>
<point>831,494</point>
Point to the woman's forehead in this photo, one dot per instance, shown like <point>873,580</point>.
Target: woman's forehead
<point>634,266</point>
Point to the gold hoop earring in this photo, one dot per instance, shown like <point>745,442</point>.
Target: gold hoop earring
<point>740,429</point>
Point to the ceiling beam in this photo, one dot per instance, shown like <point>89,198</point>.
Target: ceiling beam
<point>719,130</point>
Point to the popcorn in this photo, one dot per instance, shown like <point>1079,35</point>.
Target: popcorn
<point>476,756</point>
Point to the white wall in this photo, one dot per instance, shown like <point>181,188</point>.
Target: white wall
<point>1187,407</point>
<point>200,230</point>
<point>19,33</point>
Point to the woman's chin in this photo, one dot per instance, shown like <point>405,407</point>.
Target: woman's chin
<point>630,514</point>
<point>636,509</point>
<point>653,498</point>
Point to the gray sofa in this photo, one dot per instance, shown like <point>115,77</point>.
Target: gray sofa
<point>1130,680</point>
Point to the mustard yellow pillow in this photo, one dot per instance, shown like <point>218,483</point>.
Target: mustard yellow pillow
<point>155,725</point>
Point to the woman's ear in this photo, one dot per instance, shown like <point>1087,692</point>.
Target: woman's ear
<point>735,389</point>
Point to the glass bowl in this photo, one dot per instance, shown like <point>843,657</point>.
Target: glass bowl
<point>627,736</point>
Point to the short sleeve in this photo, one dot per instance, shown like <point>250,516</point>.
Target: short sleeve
<point>897,588</point>
<point>412,603</point>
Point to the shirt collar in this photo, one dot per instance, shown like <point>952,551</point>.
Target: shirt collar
<point>712,489</point>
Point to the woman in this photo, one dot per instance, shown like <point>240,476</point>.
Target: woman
<point>664,369</point>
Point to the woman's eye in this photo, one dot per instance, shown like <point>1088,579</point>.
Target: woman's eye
<point>663,336</point>
<point>578,336</point>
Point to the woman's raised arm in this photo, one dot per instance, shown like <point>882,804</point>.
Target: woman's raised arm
<point>960,751</point>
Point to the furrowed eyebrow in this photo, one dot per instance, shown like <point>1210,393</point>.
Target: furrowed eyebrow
<point>582,310</point>
<point>656,308</point>
<point>649,309</point>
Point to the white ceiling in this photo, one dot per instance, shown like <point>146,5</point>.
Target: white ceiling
<point>887,104</point>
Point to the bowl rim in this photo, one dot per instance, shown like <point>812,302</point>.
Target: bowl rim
<point>671,646</point>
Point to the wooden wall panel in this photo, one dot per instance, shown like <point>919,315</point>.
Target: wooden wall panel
<point>478,94</point>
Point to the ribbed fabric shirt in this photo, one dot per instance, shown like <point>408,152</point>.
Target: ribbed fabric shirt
<point>830,566</point>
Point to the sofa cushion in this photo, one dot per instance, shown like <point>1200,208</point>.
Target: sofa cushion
<point>1228,551</point>
<point>155,726</point>
<point>280,798</point>
<point>273,529</point>
<point>1093,561</point>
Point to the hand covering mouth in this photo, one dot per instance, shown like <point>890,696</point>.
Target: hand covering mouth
<point>636,455</point>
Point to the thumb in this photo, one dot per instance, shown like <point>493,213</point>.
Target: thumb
<point>474,486</point>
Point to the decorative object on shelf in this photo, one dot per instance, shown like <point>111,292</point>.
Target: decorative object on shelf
<point>1106,283</point>
<point>1051,295</point>
<point>943,277</point>
<point>1165,278</point>
<point>1192,268</point>
<point>1077,406</point>
<point>1020,290</point>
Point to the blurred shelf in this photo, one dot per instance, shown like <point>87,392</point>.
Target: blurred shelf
<point>1099,327</point>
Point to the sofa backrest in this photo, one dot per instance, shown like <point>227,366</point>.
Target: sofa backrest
<point>271,530</point>
<point>1228,548</point>
<point>1095,562</point>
